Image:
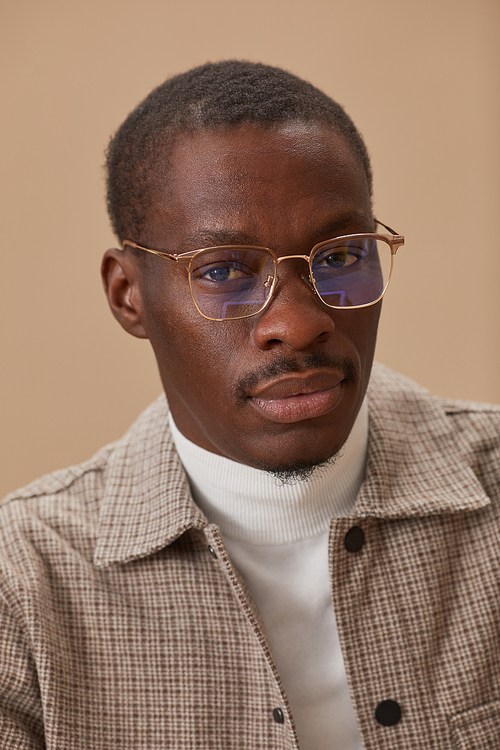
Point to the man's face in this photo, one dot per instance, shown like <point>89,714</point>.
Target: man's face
<point>282,389</point>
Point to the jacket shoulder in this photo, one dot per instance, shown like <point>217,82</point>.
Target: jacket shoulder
<point>62,479</point>
<point>389,386</point>
<point>474,425</point>
<point>90,471</point>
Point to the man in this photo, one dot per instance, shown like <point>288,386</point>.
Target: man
<point>296,549</point>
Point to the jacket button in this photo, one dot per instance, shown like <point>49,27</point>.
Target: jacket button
<point>278,716</point>
<point>388,713</point>
<point>212,551</point>
<point>354,539</point>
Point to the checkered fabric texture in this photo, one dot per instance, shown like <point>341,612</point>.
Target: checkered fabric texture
<point>124,626</point>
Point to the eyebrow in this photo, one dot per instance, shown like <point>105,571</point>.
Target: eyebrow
<point>351,223</point>
<point>220,237</point>
<point>215,237</point>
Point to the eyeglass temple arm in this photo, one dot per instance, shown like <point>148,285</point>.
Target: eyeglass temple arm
<point>170,256</point>
<point>397,239</point>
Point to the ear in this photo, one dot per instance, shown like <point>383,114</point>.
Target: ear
<point>121,278</point>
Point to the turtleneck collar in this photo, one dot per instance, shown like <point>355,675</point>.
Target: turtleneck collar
<point>250,505</point>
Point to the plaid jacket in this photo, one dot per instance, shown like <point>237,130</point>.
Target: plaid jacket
<point>124,626</point>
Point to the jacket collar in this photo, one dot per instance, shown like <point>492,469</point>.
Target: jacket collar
<point>146,503</point>
<point>417,463</point>
<point>416,466</point>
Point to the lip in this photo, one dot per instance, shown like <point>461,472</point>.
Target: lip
<point>294,399</point>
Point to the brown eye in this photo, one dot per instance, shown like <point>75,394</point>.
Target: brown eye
<point>338,257</point>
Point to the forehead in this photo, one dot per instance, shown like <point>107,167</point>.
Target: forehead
<point>256,180</point>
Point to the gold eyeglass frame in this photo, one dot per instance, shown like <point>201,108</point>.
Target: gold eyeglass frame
<point>394,240</point>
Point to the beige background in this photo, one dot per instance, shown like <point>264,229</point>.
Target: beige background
<point>421,80</point>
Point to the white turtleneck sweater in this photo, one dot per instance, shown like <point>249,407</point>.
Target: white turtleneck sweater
<point>277,537</point>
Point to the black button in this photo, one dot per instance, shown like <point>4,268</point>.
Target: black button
<point>278,716</point>
<point>388,713</point>
<point>212,551</point>
<point>354,539</point>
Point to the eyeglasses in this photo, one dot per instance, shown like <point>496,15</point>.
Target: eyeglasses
<point>236,281</point>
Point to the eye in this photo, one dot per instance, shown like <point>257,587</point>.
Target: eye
<point>337,257</point>
<point>222,272</point>
<point>218,273</point>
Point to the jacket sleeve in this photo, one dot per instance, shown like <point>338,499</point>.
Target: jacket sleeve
<point>21,716</point>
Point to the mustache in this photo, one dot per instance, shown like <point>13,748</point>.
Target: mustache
<point>283,366</point>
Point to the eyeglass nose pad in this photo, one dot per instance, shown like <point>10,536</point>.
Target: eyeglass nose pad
<point>268,282</point>
<point>308,280</point>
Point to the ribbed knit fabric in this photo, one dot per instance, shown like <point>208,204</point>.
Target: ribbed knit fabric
<point>250,505</point>
<point>277,537</point>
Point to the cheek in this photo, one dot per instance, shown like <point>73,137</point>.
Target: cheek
<point>194,354</point>
<point>169,321</point>
<point>360,326</point>
<point>166,300</point>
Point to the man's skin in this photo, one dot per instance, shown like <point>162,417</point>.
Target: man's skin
<point>281,389</point>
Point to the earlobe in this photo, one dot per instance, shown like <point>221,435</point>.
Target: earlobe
<point>120,277</point>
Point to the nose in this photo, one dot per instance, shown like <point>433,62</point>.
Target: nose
<point>296,318</point>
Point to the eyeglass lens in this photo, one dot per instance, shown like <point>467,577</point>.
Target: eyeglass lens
<point>352,274</point>
<point>235,282</point>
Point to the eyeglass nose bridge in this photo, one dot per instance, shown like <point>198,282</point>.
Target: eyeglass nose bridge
<point>307,258</point>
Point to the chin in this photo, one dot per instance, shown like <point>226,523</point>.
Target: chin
<point>300,471</point>
<point>297,451</point>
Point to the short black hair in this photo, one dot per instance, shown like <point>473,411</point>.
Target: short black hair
<point>215,95</point>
